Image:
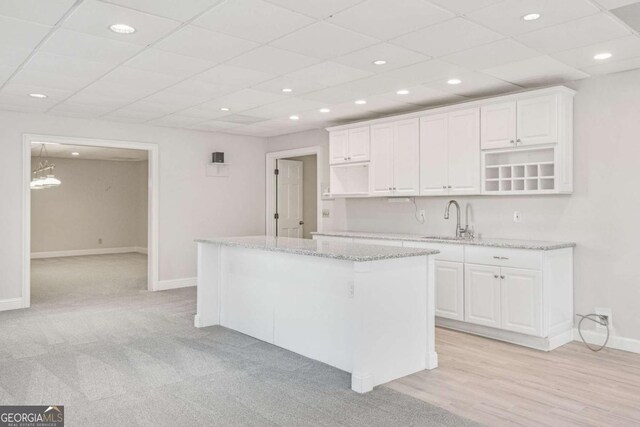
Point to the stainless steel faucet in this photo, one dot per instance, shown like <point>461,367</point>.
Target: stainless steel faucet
<point>459,230</point>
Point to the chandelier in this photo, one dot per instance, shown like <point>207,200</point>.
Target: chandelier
<point>43,175</point>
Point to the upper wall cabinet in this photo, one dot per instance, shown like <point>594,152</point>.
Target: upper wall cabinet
<point>348,146</point>
<point>450,153</point>
<point>528,121</point>
<point>395,158</point>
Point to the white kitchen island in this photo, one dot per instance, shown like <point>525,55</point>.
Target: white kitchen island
<point>368,310</point>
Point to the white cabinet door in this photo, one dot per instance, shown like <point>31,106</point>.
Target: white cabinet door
<point>498,125</point>
<point>338,146</point>
<point>449,289</point>
<point>381,167</point>
<point>406,158</point>
<point>521,300</point>
<point>482,295</point>
<point>538,120</point>
<point>434,141</point>
<point>464,152</point>
<point>358,144</point>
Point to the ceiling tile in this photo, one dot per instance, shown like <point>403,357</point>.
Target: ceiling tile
<point>140,78</point>
<point>176,98</point>
<point>233,76</point>
<point>329,74</point>
<point>395,56</point>
<point>88,47</point>
<point>204,113</point>
<point>5,73</point>
<point>317,9</point>
<point>241,119</point>
<point>447,37</point>
<point>53,80</point>
<point>386,19</point>
<point>147,108</point>
<point>132,116</point>
<point>254,20</point>
<point>13,56</point>
<point>20,34</point>
<point>297,86</point>
<point>168,63</point>
<point>536,71</point>
<point>324,40</point>
<point>491,54</point>
<point>614,4</point>
<point>273,60</point>
<point>96,98</point>
<point>182,10</point>
<point>24,89</point>
<point>13,102</point>
<point>614,67</point>
<point>386,105</point>
<point>253,130</point>
<point>214,126</point>
<point>506,16</point>
<point>50,63</point>
<point>621,49</point>
<point>331,95</point>
<point>581,32</point>
<point>74,109</point>
<point>284,108</point>
<point>630,15</point>
<point>94,17</point>
<point>204,44</point>
<point>463,6</point>
<point>124,93</point>
<point>422,72</point>
<point>425,96</point>
<point>242,100</point>
<point>475,84</point>
<point>175,120</point>
<point>43,12</point>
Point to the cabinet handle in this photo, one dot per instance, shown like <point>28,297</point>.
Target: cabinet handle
<point>448,186</point>
<point>502,277</point>
<point>519,140</point>
<point>500,257</point>
<point>444,186</point>
<point>390,188</point>
<point>512,141</point>
<point>496,276</point>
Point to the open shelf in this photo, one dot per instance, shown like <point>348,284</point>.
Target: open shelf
<point>520,172</point>
<point>350,179</point>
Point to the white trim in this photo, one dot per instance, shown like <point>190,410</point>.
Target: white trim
<point>456,106</point>
<point>84,252</point>
<point>270,182</point>
<point>153,193</point>
<point>615,342</point>
<point>11,304</point>
<point>165,285</point>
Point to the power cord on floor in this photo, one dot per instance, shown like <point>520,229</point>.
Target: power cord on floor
<point>600,320</point>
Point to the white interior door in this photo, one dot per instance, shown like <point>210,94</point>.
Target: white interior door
<point>289,199</point>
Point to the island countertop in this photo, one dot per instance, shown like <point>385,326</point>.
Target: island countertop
<point>540,245</point>
<point>334,250</point>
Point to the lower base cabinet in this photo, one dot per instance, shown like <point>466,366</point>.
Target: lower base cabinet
<point>449,279</point>
<point>482,295</point>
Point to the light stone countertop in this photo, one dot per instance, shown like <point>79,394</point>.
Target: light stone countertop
<point>489,242</point>
<point>335,250</point>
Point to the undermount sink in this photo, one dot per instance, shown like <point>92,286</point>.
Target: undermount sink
<point>445,238</point>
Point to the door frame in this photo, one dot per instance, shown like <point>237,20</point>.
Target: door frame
<point>270,223</point>
<point>152,194</point>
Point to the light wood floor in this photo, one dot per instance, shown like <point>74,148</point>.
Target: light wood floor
<point>496,383</point>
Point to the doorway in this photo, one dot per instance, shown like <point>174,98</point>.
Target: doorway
<point>293,192</point>
<point>64,234</point>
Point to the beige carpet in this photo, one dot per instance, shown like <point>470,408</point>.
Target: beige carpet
<point>114,354</point>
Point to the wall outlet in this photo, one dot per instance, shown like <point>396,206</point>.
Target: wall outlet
<point>517,216</point>
<point>604,311</point>
<point>100,241</point>
<point>325,213</point>
<point>422,215</point>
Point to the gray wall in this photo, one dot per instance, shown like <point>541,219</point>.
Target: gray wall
<point>601,214</point>
<point>310,193</point>
<point>98,199</point>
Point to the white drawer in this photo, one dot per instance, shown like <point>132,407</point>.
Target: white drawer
<point>447,252</point>
<point>381,242</point>
<point>521,258</point>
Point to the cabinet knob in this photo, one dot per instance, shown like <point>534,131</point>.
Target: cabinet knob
<point>495,276</point>
<point>518,140</point>
<point>448,186</point>
<point>502,277</point>
<point>444,186</point>
<point>390,188</point>
<point>512,141</point>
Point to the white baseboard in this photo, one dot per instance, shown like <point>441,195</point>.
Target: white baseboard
<point>164,285</point>
<point>11,304</point>
<point>83,252</point>
<point>618,343</point>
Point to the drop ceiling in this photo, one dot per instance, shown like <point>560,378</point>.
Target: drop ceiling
<point>87,152</point>
<point>221,66</point>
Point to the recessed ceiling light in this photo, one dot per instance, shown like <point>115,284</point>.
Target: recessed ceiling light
<point>287,90</point>
<point>38,95</point>
<point>75,153</point>
<point>225,109</point>
<point>325,110</point>
<point>531,16</point>
<point>361,102</point>
<point>294,117</point>
<point>454,81</point>
<point>603,55</point>
<point>379,62</point>
<point>403,92</point>
<point>122,29</point>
